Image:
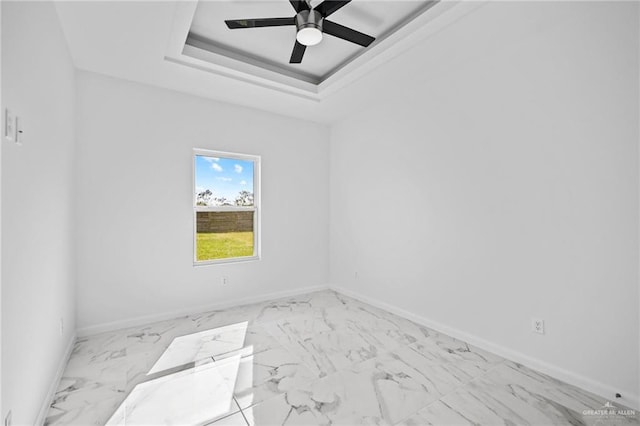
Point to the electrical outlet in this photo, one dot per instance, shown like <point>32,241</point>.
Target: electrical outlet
<point>61,326</point>
<point>225,280</point>
<point>7,419</point>
<point>537,325</point>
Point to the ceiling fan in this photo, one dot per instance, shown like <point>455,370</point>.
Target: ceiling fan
<point>310,24</point>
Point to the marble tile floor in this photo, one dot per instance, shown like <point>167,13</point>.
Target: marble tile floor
<point>315,359</point>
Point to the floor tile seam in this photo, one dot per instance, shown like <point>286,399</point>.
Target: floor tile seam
<point>388,351</point>
<point>233,398</point>
<point>229,354</point>
<point>302,337</point>
<point>439,399</point>
<point>213,422</point>
<point>353,366</point>
<point>284,394</point>
<point>241,410</point>
<point>455,389</point>
<point>505,362</point>
<point>374,367</point>
<point>233,395</point>
<point>474,379</point>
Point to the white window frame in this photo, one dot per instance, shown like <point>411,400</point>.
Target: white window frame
<point>255,208</point>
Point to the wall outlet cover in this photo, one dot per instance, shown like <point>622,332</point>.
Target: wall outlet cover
<point>537,325</point>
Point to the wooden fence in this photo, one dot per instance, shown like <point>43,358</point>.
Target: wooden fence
<point>224,222</point>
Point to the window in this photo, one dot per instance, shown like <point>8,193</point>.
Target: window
<point>226,207</point>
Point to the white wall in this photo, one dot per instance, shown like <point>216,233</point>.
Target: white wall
<point>37,206</point>
<point>1,121</point>
<point>496,180</point>
<point>135,213</point>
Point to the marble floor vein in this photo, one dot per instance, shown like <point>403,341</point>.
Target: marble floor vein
<point>315,359</point>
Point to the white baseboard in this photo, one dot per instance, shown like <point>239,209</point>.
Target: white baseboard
<point>143,320</point>
<point>44,409</point>
<point>601,389</point>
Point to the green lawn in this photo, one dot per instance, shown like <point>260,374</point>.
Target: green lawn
<point>224,245</point>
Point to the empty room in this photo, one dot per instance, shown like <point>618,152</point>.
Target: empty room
<point>320,212</point>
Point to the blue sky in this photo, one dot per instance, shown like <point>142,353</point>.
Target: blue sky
<point>225,177</point>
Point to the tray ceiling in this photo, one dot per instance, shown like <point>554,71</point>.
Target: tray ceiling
<point>200,39</point>
<point>270,48</point>
<point>146,42</point>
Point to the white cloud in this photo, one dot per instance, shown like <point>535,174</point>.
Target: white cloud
<point>225,179</point>
<point>216,167</point>
<point>237,168</point>
<point>211,159</point>
<point>243,182</point>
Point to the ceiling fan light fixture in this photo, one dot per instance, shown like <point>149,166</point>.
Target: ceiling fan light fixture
<point>309,36</point>
<point>309,25</point>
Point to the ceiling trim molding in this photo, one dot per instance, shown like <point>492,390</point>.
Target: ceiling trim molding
<point>181,53</point>
<point>431,20</point>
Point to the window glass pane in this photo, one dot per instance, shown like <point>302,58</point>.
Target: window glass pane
<point>223,181</point>
<point>222,235</point>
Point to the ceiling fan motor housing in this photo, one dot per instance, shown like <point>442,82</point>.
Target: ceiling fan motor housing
<point>309,19</point>
<point>310,24</point>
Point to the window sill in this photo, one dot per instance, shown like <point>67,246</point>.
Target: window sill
<point>226,261</point>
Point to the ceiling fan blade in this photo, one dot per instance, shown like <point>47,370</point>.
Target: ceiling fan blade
<point>298,53</point>
<point>340,31</point>
<point>327,7</point>
<point>299,5</point>
<point>261,22</point>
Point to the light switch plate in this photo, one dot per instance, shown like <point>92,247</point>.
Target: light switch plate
<point>9,125</point>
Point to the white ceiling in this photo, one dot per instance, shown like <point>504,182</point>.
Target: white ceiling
<point>132,40</point>
<point>272,46</point>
